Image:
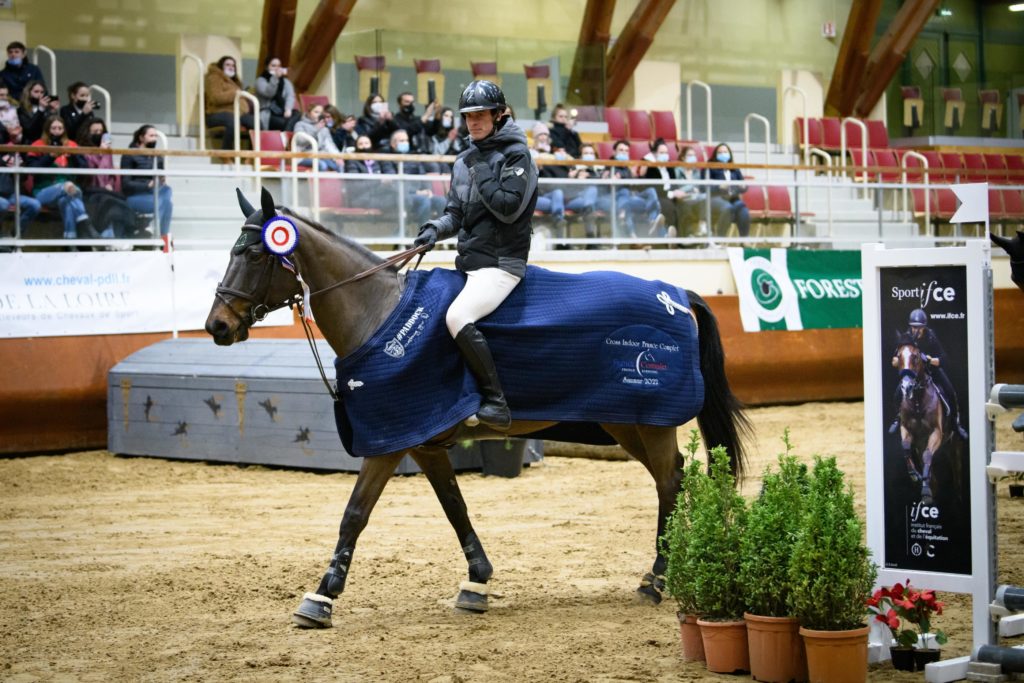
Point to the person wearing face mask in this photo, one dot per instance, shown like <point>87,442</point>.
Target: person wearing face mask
<point>222,83</point>
<point>36,107</point>
<point>420,201</point>
<point>57,190</point>
<point>444,135</point>
<point>377,121</point>
<point>18,71</point>
<point>688,197</point>
<point>659,153</point>
<point>140,189</point>
<point>28,205</point>
<point>8,110</point>
<point>79,107</point>
<point>630,204</point>
<point>314,124</point>
<point>561,134</point>
<point>550,199</point>
<point>277,97</point>
<point>108,208</point>
<point>490,207</point>
<point>415,126</point>
<point>730,191</point>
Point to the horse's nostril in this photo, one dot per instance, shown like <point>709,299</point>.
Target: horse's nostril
<point>216,327</point>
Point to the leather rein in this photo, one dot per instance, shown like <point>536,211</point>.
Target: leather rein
<point>259,309</point>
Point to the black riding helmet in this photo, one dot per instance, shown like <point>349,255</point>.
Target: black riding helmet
<point>482,95</point>
<point>918,318</point>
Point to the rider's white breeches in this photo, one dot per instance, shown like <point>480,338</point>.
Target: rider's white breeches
<point>485,289</point>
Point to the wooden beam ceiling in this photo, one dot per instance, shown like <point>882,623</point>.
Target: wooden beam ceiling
<point>317,40</point>
<point>852,58</point>
<point>632,45</point>
<point>277,30</point>
<point>588,64</point>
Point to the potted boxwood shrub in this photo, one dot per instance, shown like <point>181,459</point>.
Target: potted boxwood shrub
<point>776,648</point>
<point>716,530</point>
<point>679,576</point>
<point>831,575</point>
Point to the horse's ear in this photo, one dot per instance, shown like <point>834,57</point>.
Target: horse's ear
<point>243,204</point>
<point>268,205</point>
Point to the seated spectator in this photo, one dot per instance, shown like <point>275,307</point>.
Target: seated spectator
<point>93,133</point>
<point>414,125</point>
<point>80,105</point>
<point>18,72</point>
<point>147,194</point>
<point>28,205</point>
<point>314,124</point>
<point>377,122</point>
<point>659,153</point>
<point>443,135</point>
<point>221,85</point>
<point>8,110</point>
<point>369,194</point>
<point>107,207</point>
<point>368,166</point>
<point>421,202</point>
<point>582,201</point>
<point>36,107</point>
<point>277,97</point>
<point>342,127</point>
<point>731,209</point>
<point>561,134</point>
<point>57,190</point>
<point>550,199</point>
<point>689,198</point>
<point>631,204</point>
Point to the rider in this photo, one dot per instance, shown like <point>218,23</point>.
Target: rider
<point>490,206</point>
<point>934,356</point>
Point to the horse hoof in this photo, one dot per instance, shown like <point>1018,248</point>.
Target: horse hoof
<point>314,612</point>
<point>651,589</point>
<point>472,597</point>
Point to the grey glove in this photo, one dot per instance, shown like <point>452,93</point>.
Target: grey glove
<point>427,236</point>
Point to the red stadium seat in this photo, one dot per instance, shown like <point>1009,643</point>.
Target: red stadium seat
<point>857,158</point>
<point>333,200</point>
<point>1013,205</point>
<point>638,148</point>
<point>1015,168</point>
<point>605,150</point>
<point>756,203</point>
<point>886,158</point>
<point>664,125</point>
<point>878,135</point>
<point>616,121</point>
<point>271,141</point>
<point>934,167</point>
<point>854,135</point>
<point>953,165</point>
<point>996,165</point>
<point>307,100</point>
<point>917,194</point>
<point>814,132</point>
<point>830,135</point>
<point>974,167</point>
<point>780,206</point>
<point>944,203</point>
<point>639,122</point>
<point>995,205</point>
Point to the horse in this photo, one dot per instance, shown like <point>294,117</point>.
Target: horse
<point>353,293</point>
<point>924,423</point>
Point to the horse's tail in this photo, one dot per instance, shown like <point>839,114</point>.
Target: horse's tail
<point>722,421</point>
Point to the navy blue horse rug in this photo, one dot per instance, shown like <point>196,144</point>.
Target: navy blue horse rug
<point>591,348</point>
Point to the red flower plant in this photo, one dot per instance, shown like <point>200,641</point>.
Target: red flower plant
<point>892,606</point>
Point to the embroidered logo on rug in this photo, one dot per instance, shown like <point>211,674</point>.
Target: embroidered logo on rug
<point>408,333</point>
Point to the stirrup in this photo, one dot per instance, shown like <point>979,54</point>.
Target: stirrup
<point>496,417</point>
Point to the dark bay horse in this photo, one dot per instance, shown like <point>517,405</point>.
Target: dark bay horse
<point>256,282</point>
<point>925,426</point>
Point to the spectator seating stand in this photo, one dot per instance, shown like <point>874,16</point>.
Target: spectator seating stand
<point>538,88</point>
<point>373,76</point>
<point>429,71</point>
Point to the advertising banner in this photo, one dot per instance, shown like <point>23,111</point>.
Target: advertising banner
<point>783,289</point>
<point>63,294</point>
<point>924,347</point>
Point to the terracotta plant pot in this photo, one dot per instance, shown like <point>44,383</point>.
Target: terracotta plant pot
<point>725,645</point>
<point>836,656</point>
<point>923,656</point>
<point>689,631</point>
<point>902,658</point>
<point>776,649</point>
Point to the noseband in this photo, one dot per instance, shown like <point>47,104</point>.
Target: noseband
<point>259,307</point>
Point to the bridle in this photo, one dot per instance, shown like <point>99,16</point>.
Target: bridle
<point>260,308</point>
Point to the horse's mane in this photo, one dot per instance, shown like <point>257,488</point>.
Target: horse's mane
<point>346,241</point>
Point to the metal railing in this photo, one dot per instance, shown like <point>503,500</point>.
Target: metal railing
<point>314,175</point>
<point>237,113</point>
<point>803,115</point>
<point>201,106</point>
<point>827,158</point>
<point>767,137</point>
<point>927,191</point>
<point>689,109</point>
<point>863,143</point>
<point>53,64</point>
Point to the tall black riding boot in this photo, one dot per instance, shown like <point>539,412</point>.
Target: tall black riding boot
<point>493,409</point>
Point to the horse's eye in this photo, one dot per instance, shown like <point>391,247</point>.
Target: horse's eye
<point>254,254</point>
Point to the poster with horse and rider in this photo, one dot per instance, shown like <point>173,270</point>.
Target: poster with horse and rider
<point>924,380</point>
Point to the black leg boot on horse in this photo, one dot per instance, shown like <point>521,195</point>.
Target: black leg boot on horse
<point>493,411</point>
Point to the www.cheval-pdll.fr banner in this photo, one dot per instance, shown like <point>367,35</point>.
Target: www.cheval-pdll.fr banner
<point>783,289</point>
<point>64,294</point>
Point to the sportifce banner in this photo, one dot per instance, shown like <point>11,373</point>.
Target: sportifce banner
<point>65,294</point>
<point>783,289</point>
